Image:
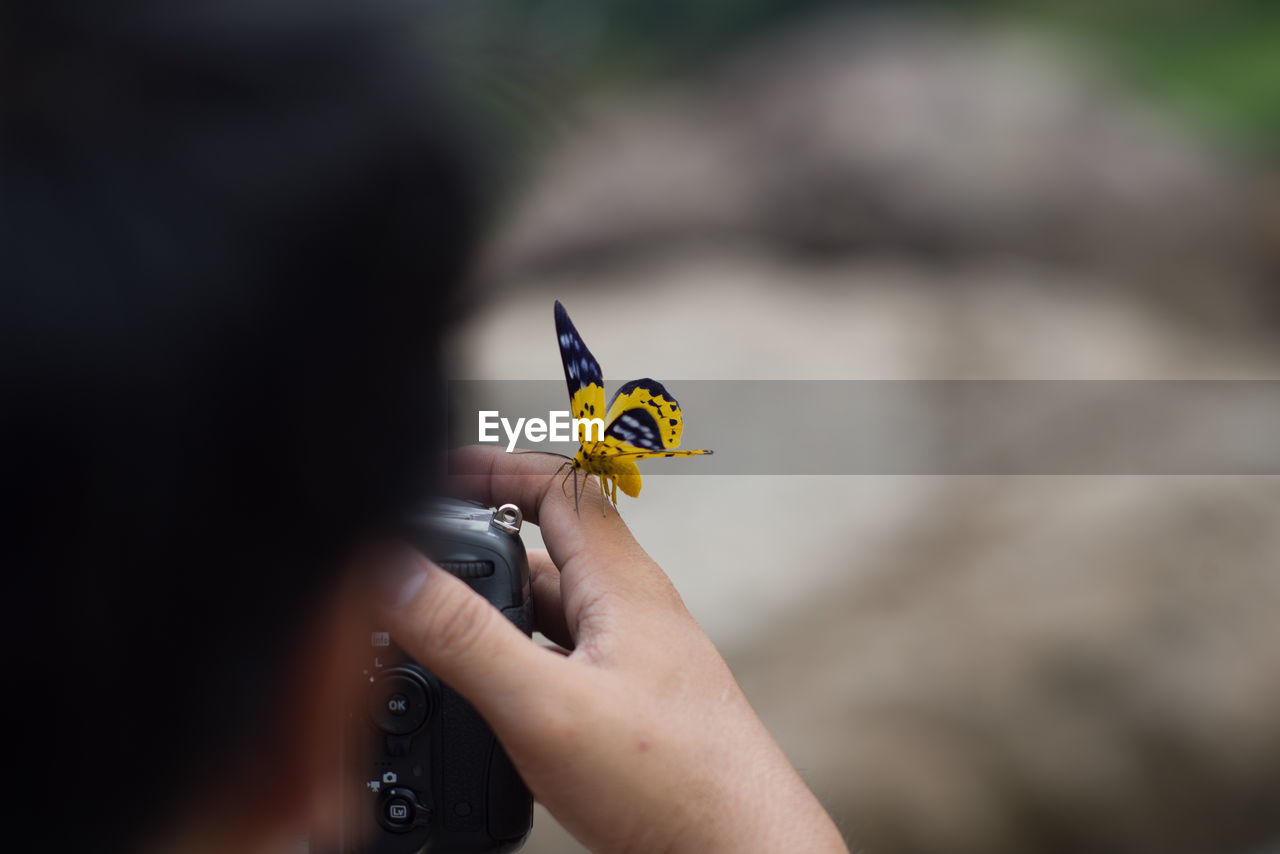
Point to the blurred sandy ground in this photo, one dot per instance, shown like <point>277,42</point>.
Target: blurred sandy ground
<point>975,664</point>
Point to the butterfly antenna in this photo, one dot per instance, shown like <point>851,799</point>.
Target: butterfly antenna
<point>544,453</point>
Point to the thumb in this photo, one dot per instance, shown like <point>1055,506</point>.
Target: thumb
<point>460,637</point>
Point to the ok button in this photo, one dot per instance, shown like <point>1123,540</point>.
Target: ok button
<point>399,702</point>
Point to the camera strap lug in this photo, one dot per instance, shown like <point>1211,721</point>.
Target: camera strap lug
<point>509,518</point>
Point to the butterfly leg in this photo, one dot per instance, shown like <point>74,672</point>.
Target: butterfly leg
<point>604,495</point>
<point>557,471</point>
<point>576,494</point>
<point>571,473</point>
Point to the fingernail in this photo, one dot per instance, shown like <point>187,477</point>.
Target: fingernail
<point>400,580</point>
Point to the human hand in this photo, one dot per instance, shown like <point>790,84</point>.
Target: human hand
<point>639,739</point>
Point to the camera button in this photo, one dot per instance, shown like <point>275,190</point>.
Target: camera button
<point>399,811</point>
<point>399,703</point>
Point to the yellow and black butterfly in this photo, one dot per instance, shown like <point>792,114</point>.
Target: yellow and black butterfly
<point>643,419</point>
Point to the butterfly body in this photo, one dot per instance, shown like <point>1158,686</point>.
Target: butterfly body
<point>642,420</point>
<point>614,472</point>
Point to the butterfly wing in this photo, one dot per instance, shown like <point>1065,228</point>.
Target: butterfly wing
<point>648,455</point>
<point>644,421</point>
<point>581,370</point>
<point>632,430</point>
<point>636,434</point>
<point>650,396</point>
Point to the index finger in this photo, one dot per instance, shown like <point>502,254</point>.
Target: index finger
<point>593,547</point>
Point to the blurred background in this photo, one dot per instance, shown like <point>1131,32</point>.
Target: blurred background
<point>798,189</point>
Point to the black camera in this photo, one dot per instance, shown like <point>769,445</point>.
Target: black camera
<point>433,778</point>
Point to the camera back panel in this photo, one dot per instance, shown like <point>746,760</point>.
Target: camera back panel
<point>432,776</point>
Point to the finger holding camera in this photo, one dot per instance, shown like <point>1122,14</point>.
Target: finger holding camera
<point>639,739</point>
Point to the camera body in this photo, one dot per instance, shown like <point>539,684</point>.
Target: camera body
<point>433,778</point>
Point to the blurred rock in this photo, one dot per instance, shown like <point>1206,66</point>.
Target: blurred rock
<point>1050,665</point>
<point>926,138</point>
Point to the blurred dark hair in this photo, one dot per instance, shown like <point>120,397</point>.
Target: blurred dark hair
<point>229,232</point>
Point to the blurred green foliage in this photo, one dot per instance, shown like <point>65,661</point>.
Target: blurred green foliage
<point>1217,62</point>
